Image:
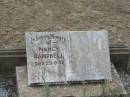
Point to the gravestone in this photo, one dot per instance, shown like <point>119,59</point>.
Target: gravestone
<point>58,57</point>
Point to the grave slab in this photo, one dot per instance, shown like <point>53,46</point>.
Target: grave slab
<point>115,87</point>
<point>57,57</point>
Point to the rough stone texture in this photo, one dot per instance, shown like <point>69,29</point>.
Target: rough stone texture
<point>111,88</point>
<point>19,16</point>
<point>8,87</point>
<point>67,56</point>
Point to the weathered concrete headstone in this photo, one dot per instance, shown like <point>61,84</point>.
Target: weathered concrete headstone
<point>113,88</point>
<point>67,56</point>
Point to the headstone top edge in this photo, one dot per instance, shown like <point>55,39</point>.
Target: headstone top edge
<point>104,31</point>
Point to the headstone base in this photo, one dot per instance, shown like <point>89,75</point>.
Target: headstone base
<point>115,87</point>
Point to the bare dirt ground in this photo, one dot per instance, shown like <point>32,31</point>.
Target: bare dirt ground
<point>19,16</point>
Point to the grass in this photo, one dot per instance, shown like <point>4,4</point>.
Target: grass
<point>45,86</point>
